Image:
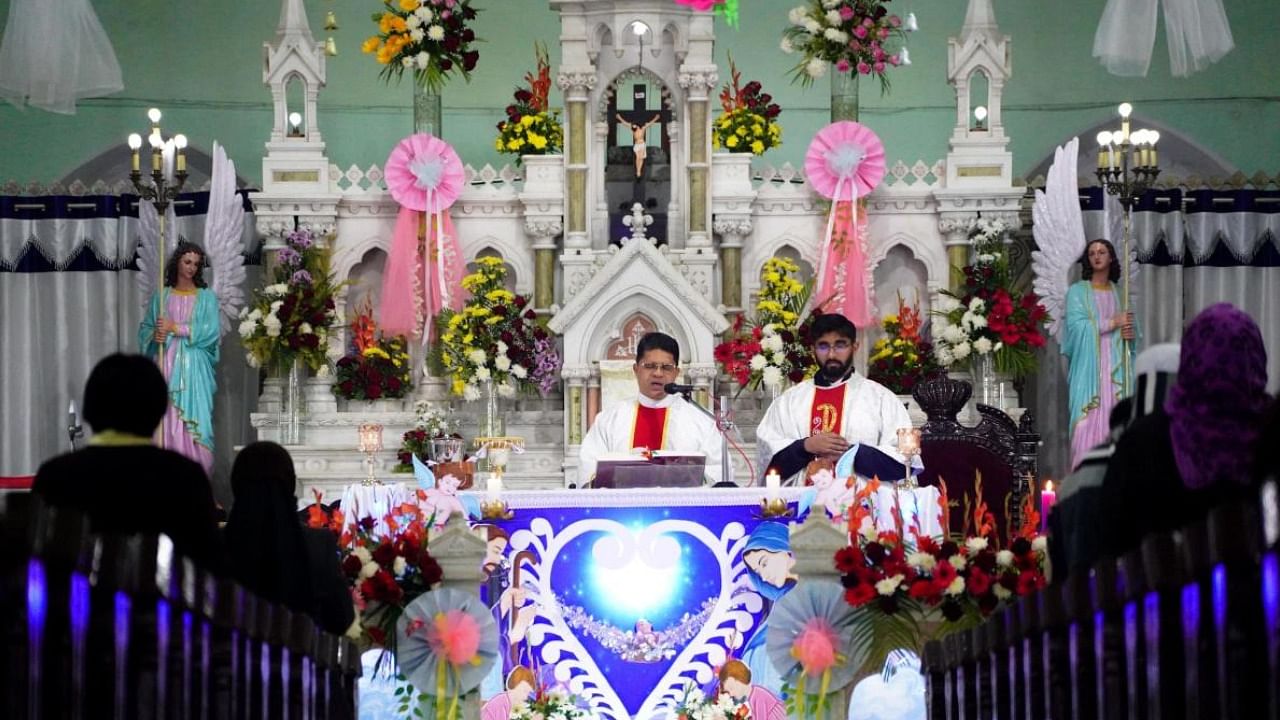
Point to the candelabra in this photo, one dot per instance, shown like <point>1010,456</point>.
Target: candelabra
<point>159,192</point>
<point>1127,168</point>
<point>370,435</point>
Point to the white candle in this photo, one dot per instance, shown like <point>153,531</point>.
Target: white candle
<point>495,485</point>
<point>772,482</point>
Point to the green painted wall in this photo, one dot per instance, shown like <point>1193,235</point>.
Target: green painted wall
<point>201,63</point>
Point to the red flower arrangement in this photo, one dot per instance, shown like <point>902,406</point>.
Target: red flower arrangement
<point>375,366</point>
<point>387,570</point>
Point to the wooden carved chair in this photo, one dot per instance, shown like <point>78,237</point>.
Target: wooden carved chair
<point>1003,451</point>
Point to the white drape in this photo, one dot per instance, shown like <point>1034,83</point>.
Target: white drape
<point>1169,294</point>
<point>55,52</point>
<point>1197,33</point>
<point>54,326</point>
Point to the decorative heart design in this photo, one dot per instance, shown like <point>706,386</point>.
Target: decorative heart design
<point>596,578</point>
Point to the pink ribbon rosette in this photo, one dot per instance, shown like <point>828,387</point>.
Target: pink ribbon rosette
<point>424,268</point>
<point>845,161</point>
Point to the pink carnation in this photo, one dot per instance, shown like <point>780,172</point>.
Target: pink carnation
<point>860,31</point>
<point>864,69</point>
<point>842,65</point>
<point>894,20</point>
<point>878,67</point>
<point>846,13</point>
<point>884,33</point>
<point>894,60</point>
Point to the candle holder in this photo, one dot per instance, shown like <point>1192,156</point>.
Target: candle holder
<point>774,508</point>
<point>498,451</point>
<point>1127,168</point>
<point>909,446</point>
<point>495,509</point>
<point>370,437</point>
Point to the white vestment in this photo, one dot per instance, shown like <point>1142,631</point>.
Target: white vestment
<point>871,416</point>
<point>688,430</point>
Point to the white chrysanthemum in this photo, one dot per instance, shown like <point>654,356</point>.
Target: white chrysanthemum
<point>502,362</point>
<point>422,60</point>
<point>943,356</point>
<point>975,545</point>
<point>272,324</point>
<point>797,15</point>
<point>252,361</point>
<point>953,334</point>
<point>968,320</point>
<point>435,32</point>
<point>982,345</point>
<point>977,305</point>
<point>785,46</point>
<point>368,570</point>
<point>477,357</point>
<point>769,330</point>
<point>1004,558</point>
<point>947,303</point>
<point>398,566</point>
<point>416,34</point>
<point>247,327</point>
<point>471,393</point>
<point>813,27</point>
<point>773,343</point>
<point>423,13</point>
<point>961,350</point>
<point>816,68</point>
<point>255,314</point>
<point>758,362</point>
<point>833,17</point>
<point>831,3</point>
<point>956,587</point>
<point>323,372</point>
<point>278,289</point>
<point>957,561</point>
<point>1001,592</point>
<point>999,346</point>
<point>888,585</point>
<point>506,390</point>
<point>502,348</point>
<point>305,329</point>
<point>979,321</point>
<point>275,306</point>
<point>922,561</point>
<point>519,371</point>
<point>482,374</point>
<point>1040,544</point>
<point>836,36</point>
<point>363,554</point>
<point>407,61</point>
<point>772,377</point>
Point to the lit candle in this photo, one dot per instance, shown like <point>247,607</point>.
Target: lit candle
<point>772,483</point>
<point>495,485</point>
<point>1047,498</point>
<point>180,141</point>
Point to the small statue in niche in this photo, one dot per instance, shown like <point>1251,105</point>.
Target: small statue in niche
<point>638,144</point>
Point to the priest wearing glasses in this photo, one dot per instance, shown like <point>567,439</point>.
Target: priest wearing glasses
<point>654,420</point>
<point>823,417</point>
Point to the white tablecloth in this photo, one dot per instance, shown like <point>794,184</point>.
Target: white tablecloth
<point>362,501</point>
<point>919,509</point>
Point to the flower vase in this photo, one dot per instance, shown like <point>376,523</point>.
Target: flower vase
<point>844,95</point>
<point>428,110</point>
<point>292,403</point>
<point>984,378</point>
<point>492,424</point>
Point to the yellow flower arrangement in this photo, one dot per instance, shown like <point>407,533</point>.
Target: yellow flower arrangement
<point>531,127</point>
<point>747,123</point>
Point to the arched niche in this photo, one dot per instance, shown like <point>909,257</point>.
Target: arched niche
<point>364,281</point>
<point>295,104</point>
<point>634,327</point>
<point>900,274</point>
<point>979,97</point>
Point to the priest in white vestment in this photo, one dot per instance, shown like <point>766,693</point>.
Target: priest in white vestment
<point>654,420</point>
<point>824,416</point>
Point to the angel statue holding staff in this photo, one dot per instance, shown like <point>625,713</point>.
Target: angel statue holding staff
<point>185,319</point>
<point>1085,315</point>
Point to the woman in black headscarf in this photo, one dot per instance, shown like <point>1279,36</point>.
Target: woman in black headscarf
<point>272,554</point>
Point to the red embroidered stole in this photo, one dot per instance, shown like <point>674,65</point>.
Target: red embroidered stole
<point>650,429</point>
<point>826,413</point>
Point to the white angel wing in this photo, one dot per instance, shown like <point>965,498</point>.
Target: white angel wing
<point>150,264</point>
<point>223,237</point>
<point>1059,230</point>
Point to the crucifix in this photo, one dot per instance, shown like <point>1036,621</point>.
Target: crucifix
<point>638,120</point>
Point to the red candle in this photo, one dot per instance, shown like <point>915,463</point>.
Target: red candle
<point>1047,498</point>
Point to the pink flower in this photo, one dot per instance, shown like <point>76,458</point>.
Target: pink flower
<point>699,5</point>
<point>894,20</point>
<point>864,69</point>
<point>842,65</point>
<point>895,60</point>
<point>878,54</point>
<point>855,46</point>
<point>860,32</point>
<point>815,647</point>
<point>868,22</point>
<point>884,33</point>
<point>878,67</point>
<point>846,13</point>
<point>455,635</point>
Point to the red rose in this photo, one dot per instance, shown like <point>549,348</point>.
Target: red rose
<point>384,554</point>
<point>351,566</point>
<point>431,571</point>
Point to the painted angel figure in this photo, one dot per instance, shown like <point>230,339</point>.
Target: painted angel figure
<point>185,319</point>
<point>1085,315</point>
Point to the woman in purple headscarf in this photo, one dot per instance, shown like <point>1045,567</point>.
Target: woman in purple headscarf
<point>1197,451</point>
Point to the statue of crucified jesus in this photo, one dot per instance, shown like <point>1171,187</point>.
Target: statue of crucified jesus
<point>638,145</point>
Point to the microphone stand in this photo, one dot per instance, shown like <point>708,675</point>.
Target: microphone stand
<point>74,428</point>
<point>725,426</point>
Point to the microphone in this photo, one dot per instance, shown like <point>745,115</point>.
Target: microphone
<point>674,389</point>
<point>74,428</point>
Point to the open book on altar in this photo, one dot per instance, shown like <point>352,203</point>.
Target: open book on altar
<point>662,468</point>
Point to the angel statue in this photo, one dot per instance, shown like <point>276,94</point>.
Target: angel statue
<point>185,319</point>
<point>1086,316</point>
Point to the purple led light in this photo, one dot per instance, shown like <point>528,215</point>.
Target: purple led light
<point>37,598</point>
<point>1271,591</point>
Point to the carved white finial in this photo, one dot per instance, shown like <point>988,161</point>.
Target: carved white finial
<point>638,221</point>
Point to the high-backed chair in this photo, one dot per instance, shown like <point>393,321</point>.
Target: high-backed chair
<point>1003,451</point>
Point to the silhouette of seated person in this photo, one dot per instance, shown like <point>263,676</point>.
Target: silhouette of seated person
<point>122,482</point>
<point>271,553</point>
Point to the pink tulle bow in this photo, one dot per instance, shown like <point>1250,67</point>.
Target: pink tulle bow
<point>815,647</point>
<point>699,5</point>
<point>455,635</point>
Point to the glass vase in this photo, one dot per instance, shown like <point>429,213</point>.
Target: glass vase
<point>844,95</point>
<point>428,110</point>
<point>984,378</point>
<point>492,424</point>
<point>292,402</point>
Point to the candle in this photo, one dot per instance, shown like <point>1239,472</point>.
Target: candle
<point>182,162</point>
<point>1047,498</point>
<point>772,482</point>
<point>155,160</point>
<point>495,485</point>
